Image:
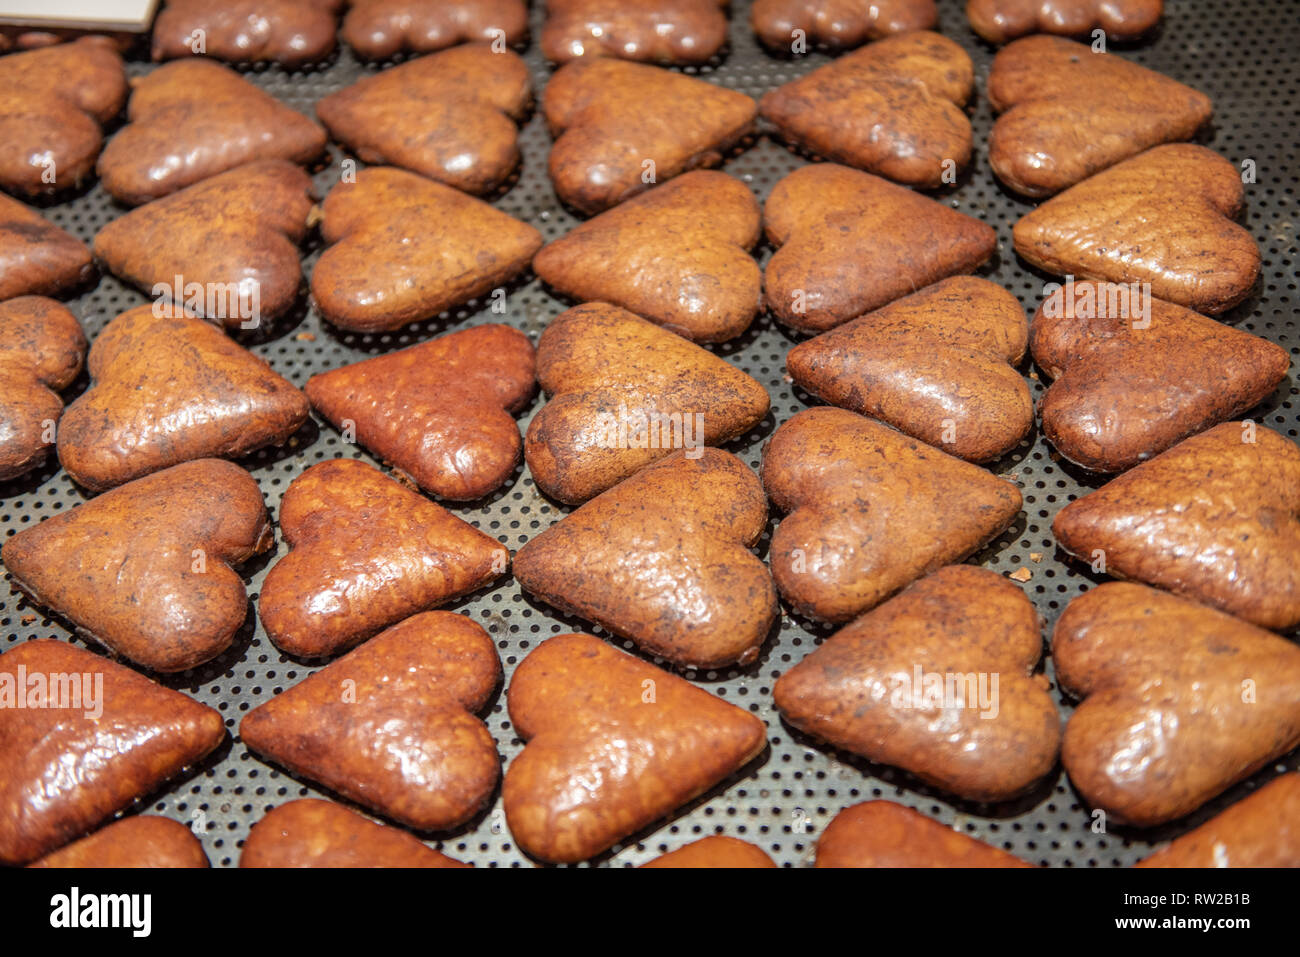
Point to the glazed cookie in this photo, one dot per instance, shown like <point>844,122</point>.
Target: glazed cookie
<point>288,32</point>
<point>36,257</point>
<point>1001,20</point>
<point>837,24</point>
<point>314,833</point>
<point>378,29</point>
<point>669,32</point>
<point>144,840</point>
<point>714,852</point>
<point>1262,830</point>
<point>885,834</point>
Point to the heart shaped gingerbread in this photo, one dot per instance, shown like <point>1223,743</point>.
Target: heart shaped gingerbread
<point>169,388</point>
<point>391,724</point>
<point>405,248</point>
<point>193,119</point>
<point>313,833</point>
<point>614,744</point>
<point>441,412</point>
<point>37,257</point>
<point>622,127</point>
<point>365,553</point>
<point>870,510</point>
<point>939,681</point>
<point>80,739</point>
<point>886,834</point>
<point>144,840</point>
<point>714,852</point>
<point>619,388</point>
<point>837,24</point>
<point>379,29</point>
<point>1136,376</point>
<point>1180,701</point>
<point>670,32</point>
<point>288,32</point>
<point>678,256</point>
<point>850,242</point>
<point>1163,217</point>
<point>1216,518</point>
<point>663,558</point>
<point>894,108</point>
<point>938,365</point>
<point>1001,20</point>
<point>41,348</point>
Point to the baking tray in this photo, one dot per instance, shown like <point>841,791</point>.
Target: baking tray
<point>1243,54</point>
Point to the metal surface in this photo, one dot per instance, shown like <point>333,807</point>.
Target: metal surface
<point>1243,54</point>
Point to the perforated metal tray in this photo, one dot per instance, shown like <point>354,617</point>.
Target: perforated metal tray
<point>1242,53</point>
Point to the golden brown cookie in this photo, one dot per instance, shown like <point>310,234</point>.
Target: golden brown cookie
<point>885,834</point>
<point>1164,217</point>
<point>663,558</point>
<point>624,394</point>
<point>405,249</point>
<point>314,833</point>
<point>940,681</point>
<point>378,29</point>
<point>366,552</point>
<point>1001,20</point>
<point>391,724</point>
<point>669,32</point>
<point>870,510</point>
<point>90,737</point>
<point>1180,701</point>
<point>288,32</point>
<point>169,388</point>
<point>1068,112</point>
<point>193,119</point>
<point>714,852</point>
<point>678,256</point>
<point>850,242</point>
<point>938,365</point>
<point>37,257</point>
<point>468,100</point>
<point>441,412</point>
<point>34,38</point>
<point>614,745</point>
<point>1262,830</point>
<point>622,127</point>
<point>894,108</point>
<point>53,105</point>
<point>838,24</point>
<point>41,349</point>
<point>146,569</point>
<point>225,248</point>
<point>1134,376</point>
<point>145,840</point>
<point>1216,519</point>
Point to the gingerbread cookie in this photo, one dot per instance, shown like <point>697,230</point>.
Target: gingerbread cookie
<point>669,32</point>
<point>314,833</point>
<point>885,834</point>
<point>288,32</point>
<point>378,29</point>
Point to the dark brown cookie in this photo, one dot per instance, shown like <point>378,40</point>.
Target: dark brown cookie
<point>1136,376</point>
<point>1262,830</point>
<point>938,365</point>
<point>622,127</point>
<point>146,569</point>
<point>1001,20</point>
<point>193,119</point>
<point>850,242</point>
<point>940,681</point>
<point>378,29</point>
<point>1179,701</point>
<point>663,558</point>
<point>468,100</point>
<point>838,24</point>
<point>678,256</point>
<point>144,840</point>
<point>619,388</point>
<point>1216,518</point>
<point>441,412</point>
<point>870,510</point>
<point>391,725</point>
<point>1068,112</point>
<point>313,833</point>
<point>614,745</point>
<point>714,852</point>
<point>169,388</point>
<point>1164,217</point>
<point>669,32</point>
<point>885,834</point>
<point>894,108</point>
<point>36,257</point>
<point>288,32</point>
<point>41,349</point>
<point>53,105</point>
<point>366,552</point>
<point>405,249</point>
<point>230,243</point>
<point>89,738</point>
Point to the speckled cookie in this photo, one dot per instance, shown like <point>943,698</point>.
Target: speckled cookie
<point>1262,830</point>
<point>1001,20</point>
<point>288,32</point>
<point>37,257</point>
<point>669,32</point>
<point>885,834</point>
<point>144,840</point>
<point>714,852</point>
<point>378,29</point>
<point>838,24</point>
